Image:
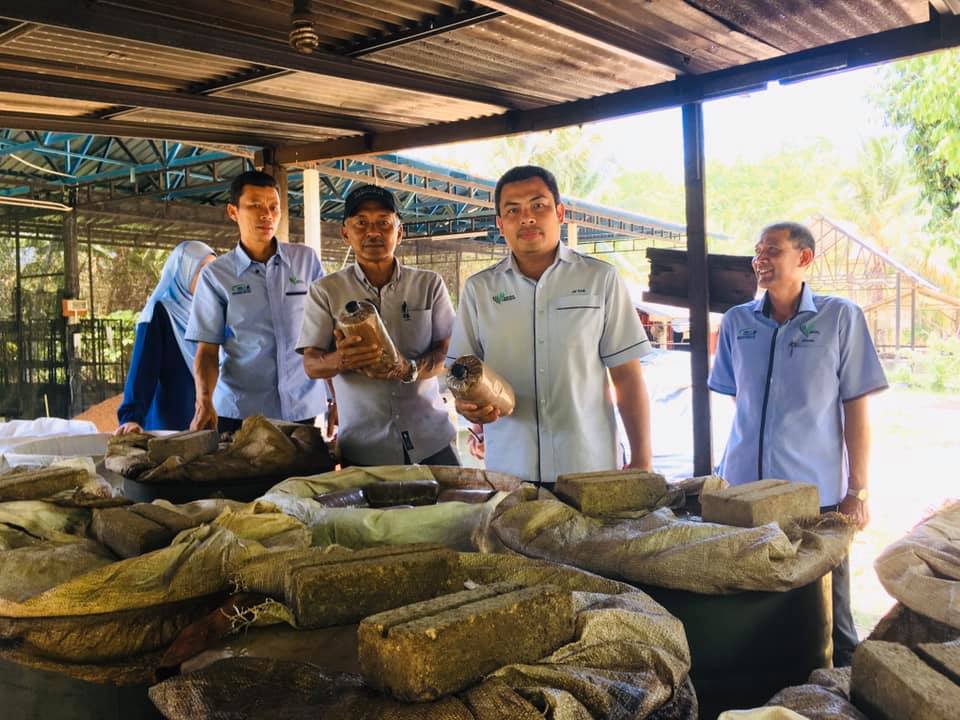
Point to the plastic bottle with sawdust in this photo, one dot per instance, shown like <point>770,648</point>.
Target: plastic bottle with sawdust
<point>472,381</point>
<point>360,317</point>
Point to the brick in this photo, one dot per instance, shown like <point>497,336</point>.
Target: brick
<point>429,649</point>
<point>889,682</point>
<point>127,533</point>
<point>758,503</point>
<point>340,588</point>
<point>185,445</point>
<point>611,491</point>
<point>170,519</point>
<point>403,492</point>
<point>942,657</point>
<point>23,484</point>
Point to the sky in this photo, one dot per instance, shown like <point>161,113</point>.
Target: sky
<point>747,127</point>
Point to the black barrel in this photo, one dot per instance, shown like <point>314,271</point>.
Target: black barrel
<point>747,646</point>
<point>29,694</point>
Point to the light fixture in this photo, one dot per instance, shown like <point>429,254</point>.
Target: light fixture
<point>31,203</point>
<point>303,37</point>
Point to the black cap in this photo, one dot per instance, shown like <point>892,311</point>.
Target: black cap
<point>368,193</point>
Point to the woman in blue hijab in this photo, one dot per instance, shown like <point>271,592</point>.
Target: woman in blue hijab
<point>160,394</point>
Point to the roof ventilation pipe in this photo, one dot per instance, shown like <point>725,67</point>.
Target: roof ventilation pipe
<point>303,38</point>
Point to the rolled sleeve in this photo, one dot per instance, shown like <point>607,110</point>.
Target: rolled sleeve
<point>722,379</point>
<point>623,337</point>
<point>208,312</point>
<point>317,328</point>
<point>860,369</point>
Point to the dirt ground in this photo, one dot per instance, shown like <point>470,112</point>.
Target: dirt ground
<point>916,445</point>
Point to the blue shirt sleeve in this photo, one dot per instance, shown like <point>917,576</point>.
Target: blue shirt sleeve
<point>860,369</point>
<point>144,372</point>
<point>208,314</point>
<point>722,378</point>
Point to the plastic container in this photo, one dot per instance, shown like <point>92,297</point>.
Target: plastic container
<point>360,317</point>
<point>472,381</point>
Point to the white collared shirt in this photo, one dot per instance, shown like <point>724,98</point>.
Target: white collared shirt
<point>553,341</point>
<point>379,419</point>
<point>253,311</point>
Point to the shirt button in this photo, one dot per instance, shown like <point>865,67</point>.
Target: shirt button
<point>540,341</point>
<point>542,370</point>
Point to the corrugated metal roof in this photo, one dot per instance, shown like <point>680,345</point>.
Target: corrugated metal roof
<point>792,26</point>
<point>13,102</point>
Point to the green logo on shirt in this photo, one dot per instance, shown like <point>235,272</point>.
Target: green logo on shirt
<point>809,328</point>
<point>502,297</point>
<point>294,280</point>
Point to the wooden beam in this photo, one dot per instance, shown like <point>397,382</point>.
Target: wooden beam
<point>845,55</point>
<point>166,31</point>
<point>15,31</point>
<point>115,128</point>
<point>593,30</point>
<point>430,27</point>
<point>115,94</point>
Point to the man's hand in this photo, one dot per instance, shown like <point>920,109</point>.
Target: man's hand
<point>856,510</point>
<point>128,427</point>
<point>205,416</point>
<point>352,354</point>
<point>476,414</point>
<point>475,443</point>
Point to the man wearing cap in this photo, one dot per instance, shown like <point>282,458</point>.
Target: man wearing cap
<point>560,328</point>
<point>800,367</point>
<point>245,318</point>
<point>387,417</point>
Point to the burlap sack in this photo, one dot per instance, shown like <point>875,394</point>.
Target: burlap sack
<point>922,570</point>
<point>664,551</point>
<point>629,659</point>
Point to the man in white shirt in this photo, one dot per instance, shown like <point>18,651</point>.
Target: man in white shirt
<point>559,326</point>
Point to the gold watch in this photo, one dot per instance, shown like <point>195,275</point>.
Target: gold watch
<point>860,494</point>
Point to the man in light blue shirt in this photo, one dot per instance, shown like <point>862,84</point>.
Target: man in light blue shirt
<point>800,367</point>
<point>246,318</point>
<point>560,328</point>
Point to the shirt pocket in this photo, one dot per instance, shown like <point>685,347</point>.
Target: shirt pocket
<point>576,319</point>
<point>416,332</point>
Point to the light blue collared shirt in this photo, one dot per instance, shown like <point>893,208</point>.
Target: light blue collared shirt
<point>790,382</point>
<point>553,340</point>
<point>253,311</point>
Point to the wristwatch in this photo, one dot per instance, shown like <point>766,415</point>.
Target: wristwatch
<point>413,374</point>
<point>860,494</point>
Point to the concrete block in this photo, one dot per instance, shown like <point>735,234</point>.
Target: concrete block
<point>942,657</point>
<point>890,682</point>
<point>22,484</point>
<point>170,519</point>
<point>339,588</point>
<point>185,445</point>
<point>127,533</point>
<point>611,491</point>
<point>758,503</point>
<point>429,649</point>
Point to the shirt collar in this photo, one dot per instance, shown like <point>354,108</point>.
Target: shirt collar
<point>244,261</point>
<point>806,304</point>
<point>564,254</point>
<point>362,277</point>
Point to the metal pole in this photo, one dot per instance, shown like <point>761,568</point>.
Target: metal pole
<point>18,310</point>
<point>71,289</point>
<point>93,313</point>
<point>913,316</point>
<point>897,322</point>
<point>698,288</point>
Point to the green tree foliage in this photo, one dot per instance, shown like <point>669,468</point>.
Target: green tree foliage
<point>920,96</point>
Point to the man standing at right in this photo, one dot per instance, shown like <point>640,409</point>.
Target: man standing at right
<point>800,367</point>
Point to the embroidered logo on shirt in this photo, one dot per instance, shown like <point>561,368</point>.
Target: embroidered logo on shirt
<point>502,297</point>
<point>294,280</point>
<point>579,291</point>
<point>809,328</point>
<point>240,289</point>
<point>746,334</point>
